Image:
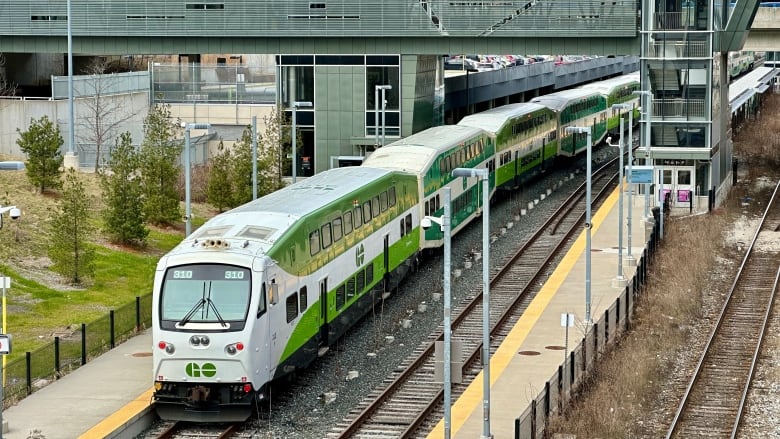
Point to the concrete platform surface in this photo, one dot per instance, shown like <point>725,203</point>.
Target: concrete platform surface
<point>83,399</point>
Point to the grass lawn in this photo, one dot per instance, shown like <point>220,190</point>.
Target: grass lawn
<point>40,304</point>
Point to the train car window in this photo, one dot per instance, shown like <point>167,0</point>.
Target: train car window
<point>341,296</point>
<point>437,203</point>
<point>361,281</point>
<point>348,223</point>
<point>427,210</point>
<point>303,299</point>
<point>273,292</point>
<point>369,274</point>
<point>261,305</point>
<point>350,288</point>
<point>366,212</point>
<point>357,217</point>
<point>292,307</point>
<point>403,228</point>
<point>391,196</point>
<point>337,230</point>
<point>314,242</point>
<point>383,201</point>
<point>375,206</point>
<point>409,222</point>
<point>327,236</point>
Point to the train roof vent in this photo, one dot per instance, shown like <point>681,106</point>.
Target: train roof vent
<point>255,232</point>
<point>211,232</point>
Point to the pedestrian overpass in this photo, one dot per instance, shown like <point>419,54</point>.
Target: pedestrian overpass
<point>336,54</point>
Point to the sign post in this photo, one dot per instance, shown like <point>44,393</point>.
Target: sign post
<point>5,349</point>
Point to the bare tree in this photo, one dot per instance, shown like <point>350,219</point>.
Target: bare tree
<point>6,88</point>
<point>103,113</point>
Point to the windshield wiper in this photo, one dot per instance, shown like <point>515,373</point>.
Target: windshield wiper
<point>188,316</point>
<point>214,307</point>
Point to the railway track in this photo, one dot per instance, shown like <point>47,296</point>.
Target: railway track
<point>181,430</point>
<point>713,402</point>
<point>411,401</point>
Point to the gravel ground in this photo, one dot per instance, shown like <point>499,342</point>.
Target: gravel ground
<point>762,417</point>
<point>316,400</point>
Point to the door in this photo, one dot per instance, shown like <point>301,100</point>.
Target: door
<point>324,312</point>
<point>677,185</point>
<point>386,261</point>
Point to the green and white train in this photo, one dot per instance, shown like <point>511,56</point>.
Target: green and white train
<point>264,289</point>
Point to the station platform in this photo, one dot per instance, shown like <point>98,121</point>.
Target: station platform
<point>106,397</point>
<point>515,379</point>
<point>98,400</point>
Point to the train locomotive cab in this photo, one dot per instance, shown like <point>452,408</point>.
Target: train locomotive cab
<point>205,321</point>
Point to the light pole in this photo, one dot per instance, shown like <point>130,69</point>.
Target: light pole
<point>187,211</point>
<point>445,225</point>
<point>629,257</point>
<point>620,280</point>
<point>254,157</point>
<point>648,106</point>
<point>71,159</point>
<point>586,130</point>
<point>484,175</point>
<point>296,105</point>
<point>5,340</point>
<point>377,89</point>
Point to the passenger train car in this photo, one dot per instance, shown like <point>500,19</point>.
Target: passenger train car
<point>525,137</point>
<point>264,289</point>
<point>431,155</point>
<point>618,90</point>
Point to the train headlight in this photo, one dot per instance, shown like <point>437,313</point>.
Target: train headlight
<point>167,347</point>
<point>234,348</point>
<point>199,340</point>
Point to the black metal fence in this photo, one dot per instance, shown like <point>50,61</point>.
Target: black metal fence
<point>24,376</point>
<point>557,392</point>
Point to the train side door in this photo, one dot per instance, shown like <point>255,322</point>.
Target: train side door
<point>324,330</point>
<point>386,262</point>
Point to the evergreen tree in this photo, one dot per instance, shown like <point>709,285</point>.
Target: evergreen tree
<point>219,188</point>
<point>41,143</point>
<point>272,159</point>
<point>241,171</point>
<point>123,194</point>
<point>69,251</point>
<point>160,153</point>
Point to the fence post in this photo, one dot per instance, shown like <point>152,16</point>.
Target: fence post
<point>595,342</point>
<point>137,313</point>
<point>561,378</point>
<point>533,419</point>
<point>111,327</point>
<point>83,344</point>
<point>546,402</point>
<point>606,326</point>
<point>628,309</point>
<point>28,366</point>
<point>571,368</point>
<point>57,357</point>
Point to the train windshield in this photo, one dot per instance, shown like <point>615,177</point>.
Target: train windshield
<point>211,294</point>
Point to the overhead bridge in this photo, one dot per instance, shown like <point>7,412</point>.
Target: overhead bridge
<point>764,35</point>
